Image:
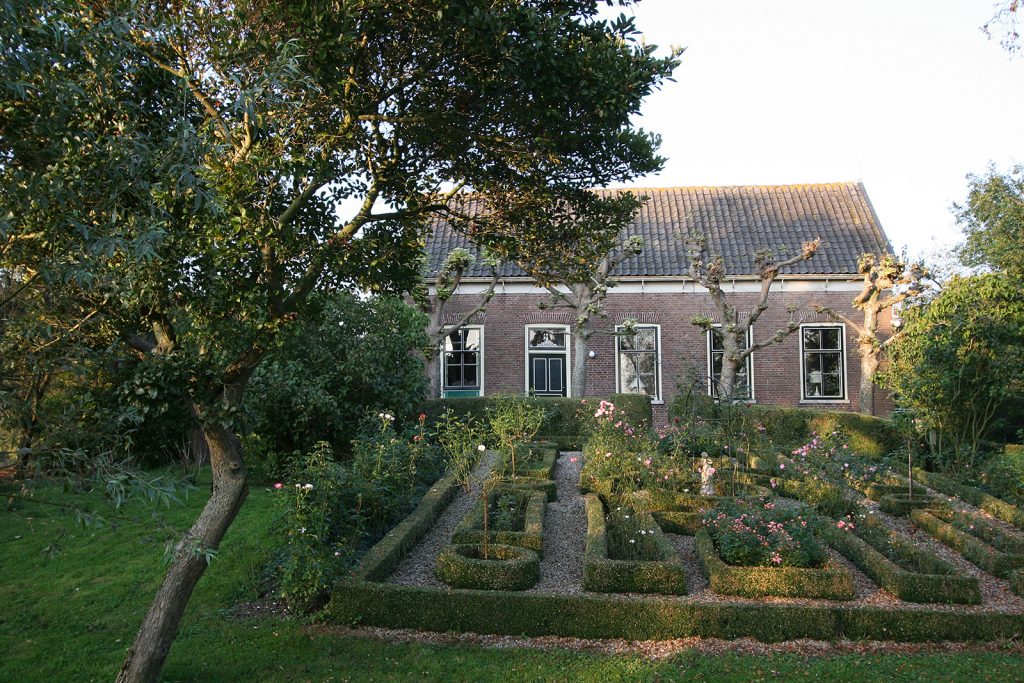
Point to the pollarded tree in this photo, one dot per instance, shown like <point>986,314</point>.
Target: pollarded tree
<point>446,285</point>
<point>887,281</point>
<point>586,298</point>
<point>188,170</point>
<point>709,272</point>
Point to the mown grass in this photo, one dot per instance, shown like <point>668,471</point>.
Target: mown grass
<point>71,617</point>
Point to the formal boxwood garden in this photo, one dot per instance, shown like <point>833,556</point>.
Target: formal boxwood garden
<point>650,486</point>
<point>653,568</point>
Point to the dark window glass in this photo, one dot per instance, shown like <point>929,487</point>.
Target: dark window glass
<point>462,359</point>
<point>824,366</point>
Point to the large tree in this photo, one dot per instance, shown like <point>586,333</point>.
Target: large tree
<point>992,220</point>
<point>886,282</point>
<point>709,272</point>
<point>196,172</point>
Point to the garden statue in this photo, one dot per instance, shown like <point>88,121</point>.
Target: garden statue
<point>707,471</point>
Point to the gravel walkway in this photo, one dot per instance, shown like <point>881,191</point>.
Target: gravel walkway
<point>417,568</point>
<point>565,531</point>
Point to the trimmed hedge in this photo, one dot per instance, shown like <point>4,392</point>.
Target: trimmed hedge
<point>540,463</point>
<point>680,513</point>
<point>831,582</point>
<point>509,567</point>
<point>647,618</point>
<point>996,507</point>
<point>938,582</point>
<point>565,420</point>
<point>971,547</point>
<point>900,504</point>
<point>876,491</point>
<point>602,574</point>
<point>1017,581</point>
<point>871,436</point>
<point>547,486</point>
<point>471,529</point>
<point>382,558</point>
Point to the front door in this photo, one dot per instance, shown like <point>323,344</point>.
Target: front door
<point>547,374</point>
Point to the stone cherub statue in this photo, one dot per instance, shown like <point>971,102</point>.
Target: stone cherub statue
<point>707,471</point>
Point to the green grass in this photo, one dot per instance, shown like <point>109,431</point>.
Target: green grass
<point>71,618</point>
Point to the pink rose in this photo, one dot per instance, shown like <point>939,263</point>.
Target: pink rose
<point>278,485</point>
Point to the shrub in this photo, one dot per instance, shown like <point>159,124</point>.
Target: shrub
<point>975,496</point>
<point>525,525</point>
<point>758,533</point>
<point>618,457</point>
<point>507,567</point>
<point>967,544</point>
<point>461,439</point>
<point>900,504</point>
<point>1004,473</point>
<point>630,535</point>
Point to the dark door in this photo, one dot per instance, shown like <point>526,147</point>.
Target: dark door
<point>547,374</point>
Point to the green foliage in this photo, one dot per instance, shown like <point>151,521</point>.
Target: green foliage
<point>514,421</point>
<point>631,535</point>
<point>1004,474</point>
<point>758,533</point>
<point>619,458</point>
<point>356,355</point>
<point>831,581</point>
<point>318,542</point>
<point>993,221</point>
<point>461,440</point>
<point>963,539</point>
<point>959,360</point>
<point>525,522</point>
<point>951,487</point>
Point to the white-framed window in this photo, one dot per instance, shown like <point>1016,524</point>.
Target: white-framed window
<point>638,361</point>
<point>462,362</point>
<point>743,383</point>
<point>547,360</point>
<point>822,362</point>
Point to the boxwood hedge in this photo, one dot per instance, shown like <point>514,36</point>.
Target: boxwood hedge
<point>539,463</point>
<point>601,574</point>
<point>937,581</point>
<point>507,567</point>
<point>471,529</point>
<point>831,582</point>
<point>900,504</point>
<point>996,507</point>
<point>971,547</point>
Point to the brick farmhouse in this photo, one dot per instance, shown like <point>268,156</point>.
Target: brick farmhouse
<point>517,346</point>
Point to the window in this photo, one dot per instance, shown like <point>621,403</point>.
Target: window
<point>547,361</point>
<point>639,363</point>
<point>463,368</point>
<point>743,385</point>
<point>824,363</point>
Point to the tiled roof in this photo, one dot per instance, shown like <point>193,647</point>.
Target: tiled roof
<point>737,222</point>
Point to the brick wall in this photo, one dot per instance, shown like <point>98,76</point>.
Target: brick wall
<point>776,369</point>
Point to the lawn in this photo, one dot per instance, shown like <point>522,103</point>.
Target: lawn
<point>71,616</point>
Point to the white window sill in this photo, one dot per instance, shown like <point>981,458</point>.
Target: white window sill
<point>824,401</point>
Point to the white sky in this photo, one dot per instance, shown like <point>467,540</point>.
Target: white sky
<point>907,96</point>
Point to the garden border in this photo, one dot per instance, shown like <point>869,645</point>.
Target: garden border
<point>997,507</point>
<point>513,567</point>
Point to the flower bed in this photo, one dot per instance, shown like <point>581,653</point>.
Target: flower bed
<point>897,565</point>
<point>965,542</point>
<point>661,571</point>
<point>831,581</point>
<point>507,567</point>
<point>527,531</point>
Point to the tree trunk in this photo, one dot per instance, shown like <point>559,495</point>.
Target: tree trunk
<point>146,657</point>
<point>869,359</point>
<point>581,354</point>
<point>726,380</point>
<point>432,363</point>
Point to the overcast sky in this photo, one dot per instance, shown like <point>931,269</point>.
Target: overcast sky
<point>907,96</point>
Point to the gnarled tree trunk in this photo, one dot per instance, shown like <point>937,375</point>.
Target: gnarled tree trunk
<point>146,657</point>
<point>581,354</point>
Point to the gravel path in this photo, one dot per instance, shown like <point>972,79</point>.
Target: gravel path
<point>417,568</point>
<point>565,531</point>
